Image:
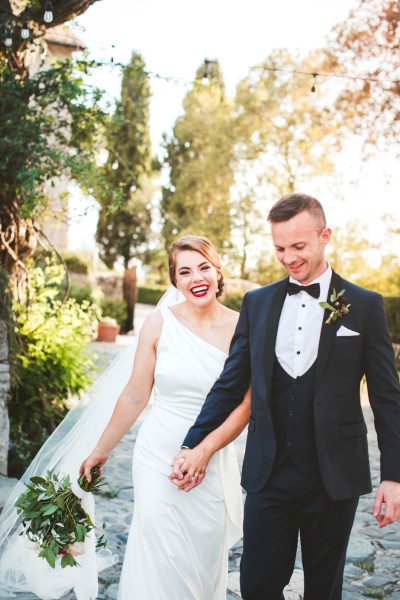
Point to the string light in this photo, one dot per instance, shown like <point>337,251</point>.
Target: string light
<point>313,85</point>
<point>186,82</point>
<point>10,23</point>
<point>25,29</point>
<point>327,75</point>
<point>48,18</point>
<point>7,37</point>
<point>48,12</point>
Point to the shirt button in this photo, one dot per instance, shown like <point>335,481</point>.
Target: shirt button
<point>303,305</point>
<point>291,412</point>
<point>289,443</point>
<point>299,328</point>
<point>298,352</point>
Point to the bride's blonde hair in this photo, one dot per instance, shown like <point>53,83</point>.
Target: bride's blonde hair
<point>198,244</point>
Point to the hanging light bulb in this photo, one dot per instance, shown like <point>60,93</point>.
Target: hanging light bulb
<point>313,88</point>
<point>8,38</point>
<point>48,12</point>
<point>25,29</point>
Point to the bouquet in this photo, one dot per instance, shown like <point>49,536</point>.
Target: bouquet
<point>55,523</point>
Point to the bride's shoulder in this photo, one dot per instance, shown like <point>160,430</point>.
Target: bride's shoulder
<point>151,328</point>
<point>230,316</point>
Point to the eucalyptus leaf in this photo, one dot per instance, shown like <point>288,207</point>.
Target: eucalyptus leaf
<point>38,480</point>
<point>50,509</point>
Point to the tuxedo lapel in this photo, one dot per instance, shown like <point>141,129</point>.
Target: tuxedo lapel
<point>328,333</point>
<point>275,310</point>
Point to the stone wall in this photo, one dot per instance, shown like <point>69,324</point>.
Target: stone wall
<point>4,389</point>
<point>110,283</point>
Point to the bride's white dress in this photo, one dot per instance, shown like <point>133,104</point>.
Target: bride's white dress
<point>178,543</point>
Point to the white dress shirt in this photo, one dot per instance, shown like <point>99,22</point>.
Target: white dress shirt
<point>299,327</point>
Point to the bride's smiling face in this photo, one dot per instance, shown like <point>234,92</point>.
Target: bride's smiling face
<point>196,277</point>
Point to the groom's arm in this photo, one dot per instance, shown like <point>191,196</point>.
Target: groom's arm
<point>229,390</point>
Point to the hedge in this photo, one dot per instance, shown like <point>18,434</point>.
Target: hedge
<point>392,308</point>
<point>150,295</point>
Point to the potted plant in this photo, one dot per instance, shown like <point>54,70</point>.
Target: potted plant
<point>107,330</point>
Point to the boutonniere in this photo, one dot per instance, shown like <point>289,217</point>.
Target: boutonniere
<point>338,306</point>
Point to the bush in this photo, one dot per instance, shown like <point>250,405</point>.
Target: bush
<point>150,295</point>
<point>116,309</point>
<point>81,293</point>
<point>233,300</point>
<point>76,264</point>
<point>392,308</point>
<point>51,364</point>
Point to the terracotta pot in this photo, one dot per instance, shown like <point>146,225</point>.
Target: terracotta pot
<point>107,332</point>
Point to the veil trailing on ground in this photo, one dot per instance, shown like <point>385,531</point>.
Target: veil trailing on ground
<point>21,570</point>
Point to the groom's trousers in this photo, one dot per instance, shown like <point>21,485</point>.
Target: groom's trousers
<point>293,503</point>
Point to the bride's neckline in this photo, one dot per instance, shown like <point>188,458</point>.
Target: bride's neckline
<point>194,333</point>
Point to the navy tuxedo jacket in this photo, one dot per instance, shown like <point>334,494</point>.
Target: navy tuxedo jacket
<point>340,430</point>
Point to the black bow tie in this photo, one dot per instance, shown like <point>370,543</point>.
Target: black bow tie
<point>313,289</point>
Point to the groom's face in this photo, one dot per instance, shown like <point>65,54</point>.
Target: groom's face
<point>300,246</point>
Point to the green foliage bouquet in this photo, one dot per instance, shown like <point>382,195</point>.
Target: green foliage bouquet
<point>54,518</point>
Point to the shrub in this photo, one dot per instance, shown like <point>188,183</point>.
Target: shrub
<point>116,309</point>
<point>392,308</point>
<point>51,364</point>
<point>150,295</point>
<point>233,300</point>
<point>76,264</point>
<point>81,293</point>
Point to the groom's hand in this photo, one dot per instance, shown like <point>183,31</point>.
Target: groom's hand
<point>388,493</point>
<point>182,475</point>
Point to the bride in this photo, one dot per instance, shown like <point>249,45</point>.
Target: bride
<point>178,544</point>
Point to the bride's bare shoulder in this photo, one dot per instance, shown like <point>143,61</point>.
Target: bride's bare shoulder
<point>151,328</point>
<point>230,317</point>
<point>230,314</point>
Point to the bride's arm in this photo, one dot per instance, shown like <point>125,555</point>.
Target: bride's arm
<point>134,397</point>
<point>194,461</point>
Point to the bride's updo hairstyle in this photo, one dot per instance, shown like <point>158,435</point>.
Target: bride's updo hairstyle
<point>199,244</point>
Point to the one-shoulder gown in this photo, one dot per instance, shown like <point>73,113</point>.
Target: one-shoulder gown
<point>178,543</point>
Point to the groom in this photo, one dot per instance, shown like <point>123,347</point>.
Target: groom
<point>306,459</point>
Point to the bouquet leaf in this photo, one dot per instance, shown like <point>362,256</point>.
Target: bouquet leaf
<point>53,518</point>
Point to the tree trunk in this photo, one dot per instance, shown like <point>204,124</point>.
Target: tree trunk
<point>4,390</point>
<point>129,295</point>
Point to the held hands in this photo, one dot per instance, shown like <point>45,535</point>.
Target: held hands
<point>388,493</point>
<point>96,458</point>
<point>189,468</point>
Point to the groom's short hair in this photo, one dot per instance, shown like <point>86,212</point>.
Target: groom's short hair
<point>292,204</point>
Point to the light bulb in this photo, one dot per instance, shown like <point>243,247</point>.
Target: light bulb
<point>25,31</point>
<point>48,12</point>
<point>8,40</point>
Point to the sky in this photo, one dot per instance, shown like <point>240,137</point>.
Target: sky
<point>175,37</point>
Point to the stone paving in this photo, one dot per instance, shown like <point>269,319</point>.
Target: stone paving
<point>373,557</point>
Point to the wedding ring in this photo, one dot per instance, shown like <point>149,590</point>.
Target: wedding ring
<point>196,475</point>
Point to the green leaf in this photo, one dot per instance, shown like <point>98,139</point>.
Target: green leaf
<point>326,305</point>
<point>49,556</point>
<point>38,480</point>
<point>89,521</point>
<point>59,500</point>
<point>50,509</point>
<point>68,561</point>
<point>32,515</point>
